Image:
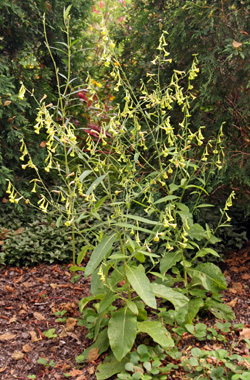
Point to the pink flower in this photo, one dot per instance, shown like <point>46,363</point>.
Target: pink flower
<point>94,10</point>
<point>100,4</point>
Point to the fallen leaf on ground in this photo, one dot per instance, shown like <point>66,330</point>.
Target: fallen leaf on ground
<point>17,355</point>
<point>7,336</point>
<point>239,269</point>
<point>12,320</point>
<point>217,346</point>
<point>245,333</point>
<point>19,231</point>
<point>70,324</point>
<point>63,333</point>
<point>245,276</point>
<point>33,336</point>
<point>75,372</point>
<point>9,289</point>
<point>41,280</point>
<point>91,370</point>
<point>54,286</point>
<point>68,306</point>
<point>27,348</point>
<point>233,302</point>
<point>236,288</point>
<point>27,284</point>
<point>93,354</point>
<point>3,369</point>
<point>82,377</point>
<point>39,316</point>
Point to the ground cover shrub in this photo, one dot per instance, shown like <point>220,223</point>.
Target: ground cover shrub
<point>138,186</point>
<point>35,241</point>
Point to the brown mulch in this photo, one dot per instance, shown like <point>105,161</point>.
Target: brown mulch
<point>30,297</point>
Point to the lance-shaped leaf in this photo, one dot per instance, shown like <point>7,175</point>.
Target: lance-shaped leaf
<point>209,276</point>
<point>122,329</point>
<point>141,284</point>
<point>94,185</point>
<point>169,260</point>
<point>157,332</point>
<point>206,251</point>
<point>99,253</point>
<point>173,296</point>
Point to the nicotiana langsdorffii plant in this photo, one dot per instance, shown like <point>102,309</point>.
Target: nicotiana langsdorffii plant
<point>137,185</point>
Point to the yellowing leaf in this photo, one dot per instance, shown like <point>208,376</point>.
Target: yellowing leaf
<point>93,354</point>
<point>236,44</point>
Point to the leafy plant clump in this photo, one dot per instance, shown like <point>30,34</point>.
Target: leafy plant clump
<point>138,183</point>
<point>35,241</point>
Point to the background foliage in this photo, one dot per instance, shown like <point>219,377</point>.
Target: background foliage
<point>218,32</point>
<point>24,58</point>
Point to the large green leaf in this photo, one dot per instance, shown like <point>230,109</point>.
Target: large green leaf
<point>157,332</point>
<point>122,329</point>
<point>209,276</point>
<point>110,367</point>
<point>141,284</point>
<point>197,232</point>
<point>99,253</point>
<point>219,309</point>
<point>173,296</point>
<point>169,260</point>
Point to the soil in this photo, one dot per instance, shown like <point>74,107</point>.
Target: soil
<point>30,297</point>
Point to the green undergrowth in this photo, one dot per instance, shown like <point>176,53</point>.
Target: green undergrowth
<point>34,240</point>
<point>215,351</point>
